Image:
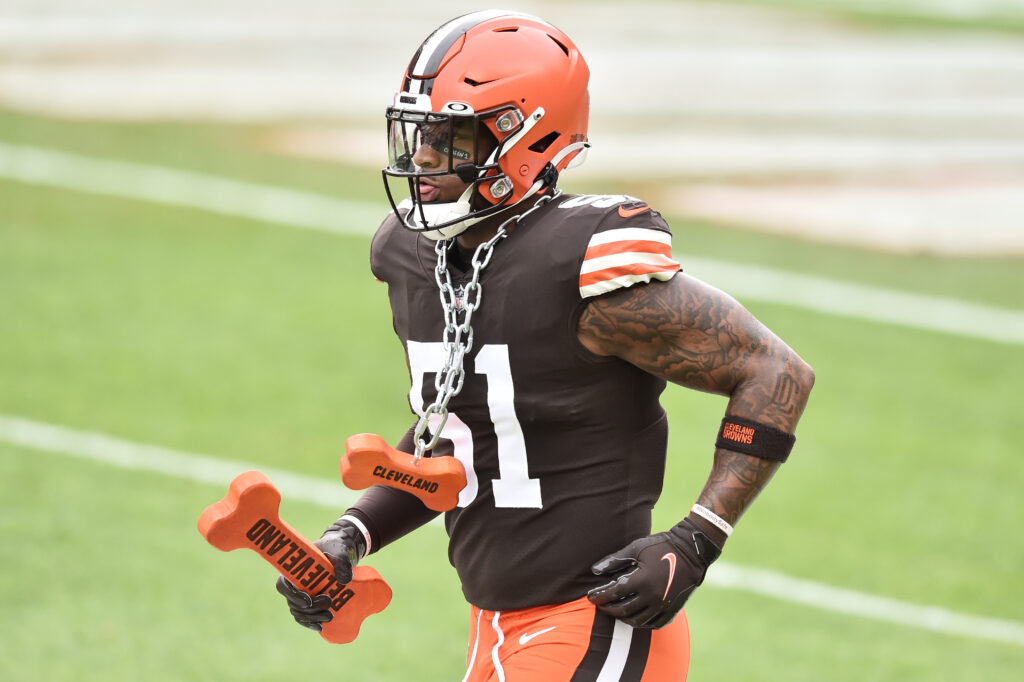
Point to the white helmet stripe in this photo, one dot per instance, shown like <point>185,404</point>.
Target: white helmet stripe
<point>428,58</point>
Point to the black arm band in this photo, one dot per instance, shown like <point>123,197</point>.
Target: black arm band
<point>754,438</point>
<point>389,513</point>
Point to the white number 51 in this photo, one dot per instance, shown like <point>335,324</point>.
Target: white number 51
<point>513,487</point>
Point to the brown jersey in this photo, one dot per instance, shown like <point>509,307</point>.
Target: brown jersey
<point>564,450</point>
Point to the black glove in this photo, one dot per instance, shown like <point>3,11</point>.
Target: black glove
<point>654,576</point>
<point>344,545</point>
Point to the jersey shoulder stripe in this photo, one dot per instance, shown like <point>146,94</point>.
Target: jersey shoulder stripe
<point>626,256</point>
<point>631,234</point>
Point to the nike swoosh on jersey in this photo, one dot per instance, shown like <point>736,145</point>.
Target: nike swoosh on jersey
<point>526,637</point>
<point>671,559</point>
<point>630,212</point>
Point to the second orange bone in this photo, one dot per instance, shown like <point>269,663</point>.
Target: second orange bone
<point>369,460</point>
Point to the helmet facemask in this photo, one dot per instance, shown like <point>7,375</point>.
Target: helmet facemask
<point>463,147</point>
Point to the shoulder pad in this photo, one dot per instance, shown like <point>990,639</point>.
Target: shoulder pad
<point>630,244</point>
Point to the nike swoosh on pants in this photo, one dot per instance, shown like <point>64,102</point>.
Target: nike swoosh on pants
<point>526,637</point>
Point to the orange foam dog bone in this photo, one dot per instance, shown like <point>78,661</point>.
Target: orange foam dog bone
<point>369,460</point>
<point>248,517</point>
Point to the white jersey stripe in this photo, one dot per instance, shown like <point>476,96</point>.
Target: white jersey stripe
<point>632,234</point>
<point>622,637</point>
<point>628,258</point>
<point>604,286</point>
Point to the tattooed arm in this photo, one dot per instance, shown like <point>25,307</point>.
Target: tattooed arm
<point>692,334</point>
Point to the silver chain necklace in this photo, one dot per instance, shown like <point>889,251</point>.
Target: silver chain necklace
<point>458,338</point>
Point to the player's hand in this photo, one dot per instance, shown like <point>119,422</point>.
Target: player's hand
<point>309,612</point>
<point>344,545</point>
<point>651,578</point>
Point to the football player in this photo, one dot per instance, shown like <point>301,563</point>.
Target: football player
<point>561,319</point>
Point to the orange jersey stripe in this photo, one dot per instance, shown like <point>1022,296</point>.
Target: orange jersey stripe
<point>630,246</point>
<point>635,269</point>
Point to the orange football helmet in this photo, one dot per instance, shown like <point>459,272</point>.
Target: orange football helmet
<point>515,85</point>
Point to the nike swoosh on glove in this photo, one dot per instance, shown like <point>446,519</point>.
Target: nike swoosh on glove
<point>654,576</point>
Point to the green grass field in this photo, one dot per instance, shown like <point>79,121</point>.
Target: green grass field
<point>250,341</point>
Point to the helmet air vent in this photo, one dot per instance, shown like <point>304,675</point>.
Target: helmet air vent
<point>560,44</point>
<point>541,145</point>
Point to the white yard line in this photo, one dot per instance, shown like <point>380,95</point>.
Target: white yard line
<point>155,459</point>
<point>294,208</point>
<point>106,449</point>
<point>206,192</point>
<point>859,301</point>
<point>809,593</point>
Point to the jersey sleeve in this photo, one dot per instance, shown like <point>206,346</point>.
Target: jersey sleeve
<point>381,250</point>
<point>631,245</point>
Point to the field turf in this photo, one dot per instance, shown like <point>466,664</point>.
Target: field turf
<point>250,341</point>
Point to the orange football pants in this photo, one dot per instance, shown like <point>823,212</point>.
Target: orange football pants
<point>573,642</point>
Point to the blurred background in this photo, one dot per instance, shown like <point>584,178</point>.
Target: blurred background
<point>851,170</point>
<point>894,124</point>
